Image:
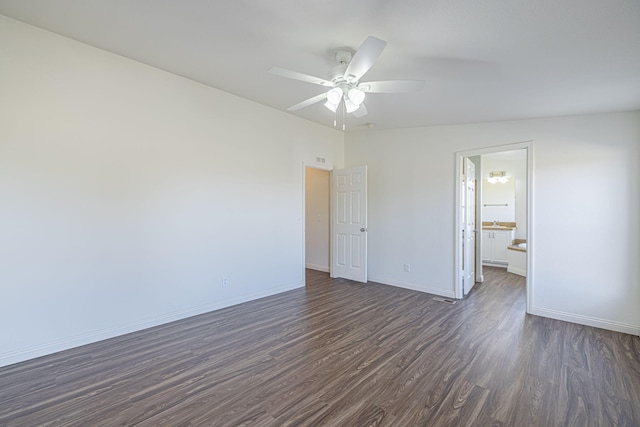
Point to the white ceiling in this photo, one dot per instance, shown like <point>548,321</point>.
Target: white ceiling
<point>481,60</point>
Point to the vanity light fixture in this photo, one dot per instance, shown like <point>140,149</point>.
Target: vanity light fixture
<point>498,176</point>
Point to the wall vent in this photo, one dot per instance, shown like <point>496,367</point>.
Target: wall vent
<point>447,300</point>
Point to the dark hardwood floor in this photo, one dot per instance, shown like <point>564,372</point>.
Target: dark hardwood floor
<point>340,353</point>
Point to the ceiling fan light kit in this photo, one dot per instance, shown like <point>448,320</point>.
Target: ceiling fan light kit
<point>335,95</point>
<point>356,96</point>
<point>346,88</point>
<point>352,99</point>
<point>350,106</point>
<point>330,106</point>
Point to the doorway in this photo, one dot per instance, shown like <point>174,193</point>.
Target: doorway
<point>317,213</point>
<point>504,202</point>
<point>526,148</point>
<point>334,221</point>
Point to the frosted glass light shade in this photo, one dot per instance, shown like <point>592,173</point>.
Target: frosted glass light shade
<point>356,96</point>
<point>334,95</point>
<point>330,106</point>
<point>350,106</point>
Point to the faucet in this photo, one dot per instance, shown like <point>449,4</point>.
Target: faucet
<point>495,222</point>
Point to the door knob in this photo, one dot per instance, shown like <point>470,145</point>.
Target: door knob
<point>363,229</point>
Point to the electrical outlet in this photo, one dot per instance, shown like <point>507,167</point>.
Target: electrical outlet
<point>225,282</point>
<point>407,268</point>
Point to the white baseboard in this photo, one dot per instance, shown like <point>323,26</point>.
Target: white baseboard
<point>317,267</point>
<point>494,264</point>
<point>412,286</point>
<point>516,270</point>
<point>31,352</point>
<point>587,320</point>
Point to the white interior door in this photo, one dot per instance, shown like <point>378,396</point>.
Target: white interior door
<point>469,226</point>
<point>349,223</point>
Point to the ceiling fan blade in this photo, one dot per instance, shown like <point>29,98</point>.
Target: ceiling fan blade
<point>361,112</point>
<point>364,58</point>
<point>308,102</point>
<point>299,76</point>
<point>391,86</point>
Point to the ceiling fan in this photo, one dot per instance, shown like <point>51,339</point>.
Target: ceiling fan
<point>345,86</point>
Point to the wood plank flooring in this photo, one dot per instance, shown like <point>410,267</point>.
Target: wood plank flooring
<point>340,353</point>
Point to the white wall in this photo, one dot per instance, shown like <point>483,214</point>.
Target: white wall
<point>499,201</point>
<point>585,238</point>
<point>318,187</point>
<point>127,193</point>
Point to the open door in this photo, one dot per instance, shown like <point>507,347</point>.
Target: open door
<point>349,223</point>
<point>468,211</point>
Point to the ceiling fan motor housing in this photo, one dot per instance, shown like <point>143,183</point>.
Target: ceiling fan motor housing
<point>344,56</point>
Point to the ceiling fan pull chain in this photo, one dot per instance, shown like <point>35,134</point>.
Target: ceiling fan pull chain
<point>344,107</point>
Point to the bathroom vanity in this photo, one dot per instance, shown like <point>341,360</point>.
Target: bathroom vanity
<point>517,257</point>
<point>496,238</point>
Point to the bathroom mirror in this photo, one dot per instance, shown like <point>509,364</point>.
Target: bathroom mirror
<point>499,201</point>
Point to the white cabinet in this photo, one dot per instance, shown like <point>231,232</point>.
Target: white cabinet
<point>517,262</point>
<point>494,246</point>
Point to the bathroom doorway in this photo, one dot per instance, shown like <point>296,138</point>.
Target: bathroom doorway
<point>504,210</point>
<point>511,216</point>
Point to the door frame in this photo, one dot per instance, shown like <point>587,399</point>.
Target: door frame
<point>460,155</point>
<point>329,169</point>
